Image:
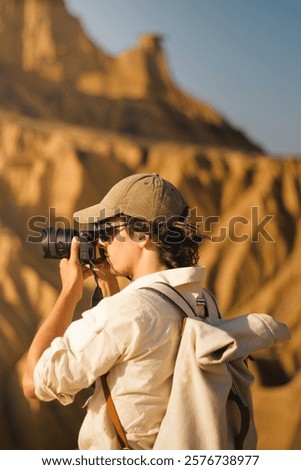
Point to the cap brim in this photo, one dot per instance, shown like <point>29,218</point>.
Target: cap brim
<point>93,214</point>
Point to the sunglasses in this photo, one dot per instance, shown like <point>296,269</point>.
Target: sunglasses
<point>108,232</point>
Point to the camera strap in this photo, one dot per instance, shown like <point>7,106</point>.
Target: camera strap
<point>97,294</point>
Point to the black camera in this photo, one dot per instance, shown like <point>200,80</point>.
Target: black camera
<point>56,244</point>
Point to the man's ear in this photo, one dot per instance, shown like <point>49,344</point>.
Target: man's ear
<point>143,239</point>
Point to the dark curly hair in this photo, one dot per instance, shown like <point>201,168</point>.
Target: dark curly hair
<point>178,241</point>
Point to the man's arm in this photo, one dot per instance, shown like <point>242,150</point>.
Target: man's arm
<point>73,274</point>
<point>60,316</point>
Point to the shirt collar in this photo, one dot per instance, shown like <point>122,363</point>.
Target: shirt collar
<point>175,277</point>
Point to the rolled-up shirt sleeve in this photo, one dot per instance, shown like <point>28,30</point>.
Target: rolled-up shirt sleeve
<point>88,349</point>
<point>47,385</point>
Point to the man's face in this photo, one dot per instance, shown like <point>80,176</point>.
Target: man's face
<point>121,251</point>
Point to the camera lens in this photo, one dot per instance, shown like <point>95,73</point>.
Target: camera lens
<point>56,242</point>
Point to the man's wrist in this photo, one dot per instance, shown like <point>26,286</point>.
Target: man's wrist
<point>70,294</point>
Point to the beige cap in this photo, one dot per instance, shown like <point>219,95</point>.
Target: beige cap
<point>146,196</point>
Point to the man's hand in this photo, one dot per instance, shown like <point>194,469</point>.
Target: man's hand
<point>105,279</point>
<point>72,273</point>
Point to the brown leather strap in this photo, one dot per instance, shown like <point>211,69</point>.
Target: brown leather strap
<point>113,414</point>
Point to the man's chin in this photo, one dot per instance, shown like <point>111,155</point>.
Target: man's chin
<point>113,271</point>
<point>117,273</point>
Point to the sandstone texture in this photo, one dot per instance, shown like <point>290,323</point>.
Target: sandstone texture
<point>74,121</point>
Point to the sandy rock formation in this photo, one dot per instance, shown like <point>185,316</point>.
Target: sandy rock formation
<point>73,80</point>
<point>63,106</point>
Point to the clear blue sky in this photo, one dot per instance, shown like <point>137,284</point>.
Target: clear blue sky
<point>241,56</point>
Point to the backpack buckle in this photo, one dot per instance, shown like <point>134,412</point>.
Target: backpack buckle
<point>200,301</point>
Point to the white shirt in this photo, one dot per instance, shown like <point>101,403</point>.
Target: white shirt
<point>134,335</point>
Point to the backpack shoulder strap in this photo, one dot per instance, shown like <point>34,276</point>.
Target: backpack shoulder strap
<point>211,304</point>
<point>169,293</point>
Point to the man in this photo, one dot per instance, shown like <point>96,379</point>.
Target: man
<point>133,335</point>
